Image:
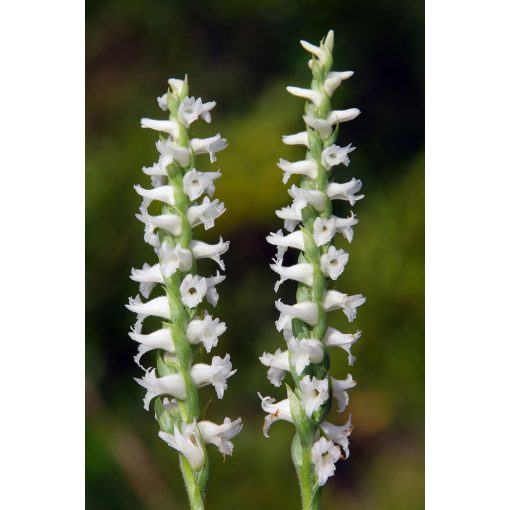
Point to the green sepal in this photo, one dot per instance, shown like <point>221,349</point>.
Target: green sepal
<point>166,417</point>
<point>172,102</point>
<point>332,137</point>
<point>162,367</point>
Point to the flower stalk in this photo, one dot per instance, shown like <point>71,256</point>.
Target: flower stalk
<point>181,197</point>
<point>312,227</point>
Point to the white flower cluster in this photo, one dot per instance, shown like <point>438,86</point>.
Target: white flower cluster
<point>311,229</point>
<point>184,197</point>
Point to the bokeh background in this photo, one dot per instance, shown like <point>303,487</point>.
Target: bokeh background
<point>242,54</point>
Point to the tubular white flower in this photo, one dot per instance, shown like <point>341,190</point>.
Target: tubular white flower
<point>305,167</point>
<point>333,338</point>
<point>305,351</point>
<point>314,392</point>
<point>278,364</point>
<point>336,155</point>
<point>164,194</point>
<point>205,331</point>
<point>216,374</point>
<point>170,152</point>
<point>345,191</point>
<point>196,183</point>
<point>157,307</point>
<point>191,109</point>
<point>339,391</point>
<point>209,146</point>
<point>203,250</point>
<point>333,262</point>
<point>291,214</point>
<point>312,95</point>
<point>188,443</point>
<point>205,213</point>
<point>277,411</point>
<point>333,80</point>
<point>339,434</point>
<point>193,289</point>
<point>306,311</point>
<point>166,126</point>
<point>220,435</point>
<point>298,272</point>
<point>300,138</point>
<point>167,221</point>
<point>172,384</point>
<point>148,276</point>
<point>344,226</point>
<point>160,339</point>
<point>293,240</point>
<point>315,198</point>
<point>176,85</point>
<point>334,300</point>
<point>324,455</point>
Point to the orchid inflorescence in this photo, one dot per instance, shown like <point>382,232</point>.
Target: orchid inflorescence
<point>183,195</point>
<point>318,444</point>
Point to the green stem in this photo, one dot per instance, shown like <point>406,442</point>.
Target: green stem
<point>194,491</point>
<point>309,490</point>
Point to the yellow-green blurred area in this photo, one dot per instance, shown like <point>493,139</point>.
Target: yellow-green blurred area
<point>242,55</point>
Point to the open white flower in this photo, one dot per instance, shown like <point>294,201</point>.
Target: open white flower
<point>300,138</point>
<point>209,146</point>
<point>305,351</point>
<point>323,230</point>
<point>334,300</point>
<point>277,411</point>
<point>166,126</point>
<point>305,167</point>
<point>148,276</point>
<point>205,213</point>
<point>339,391</point>
<point>315,198</point>
<point>167,221</point>
<point>220,435</point>
<point>344,226</point>
<point>216,374</point>
<point>173,258</point>
<point>203,250</point>
<point>335,155</point>
<point>160,339</point>
<point>188,443</point>
<point>157,307</point>
<point>339,434</point>
<point>191,109</point>
<point>314,393</point>
<point>345,191</point>
<point>334,338</point>
<point>322,52</point>
<point>150,235</point>
<point>278,364</point>
<point>325,126</point>
<point>211,294</point>
<point>195,183</point>
<point>292,240</point>
<point>164,194</point>
<point>333,80</point>
<point>172,384</point>
<point>298,272</point>
<point>312,95</point>
<point>170,152</point>
<point>333,262</point>
<point>193,289</point>
<point>306,311</point>
<point>291,214</point>
<point>205,331</point>
<point>324,455</point>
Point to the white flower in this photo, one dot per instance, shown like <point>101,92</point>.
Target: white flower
<point>339,434</point>
<point>205,213</point>
<point>306,311</point>
<point>300,138</point>
<point>323,230</point>
<point>299,272</point>
<point>339,391</point>
<point>166,126</point>
<point>278,364</point>
<point>334,300</point>
<point>312,95</point>
<point>156,170</point>
<point>211,294</point>
<point>191,109</point>
<point>173,258</point>
<point>315,392</point>
<point>157,307</point>
<point>305,351</point>
<point>172,384</point>
<point>164,194</point>
<point>203,250</point>
<point>150,235</point>
<point>216,374</point>
<point>333,262</point>
<point>344,226</point>
<point>277,411</point>
<point>305,167</point>
<point>163,102</point>
<point>193,289</point>
<point>324,455</point>
<point>209,146</point>
<point>315,198</point>
<point>205,331</point>
<point>334,338</point>
<point>148,276</point>
<point>325,126</point>
<point>188,443</point>
<point>291,214</point>
<point>170,152</point>
<point>336,155</point>
<point>220,435</point>
<point>160,339</point>
<point>345,191</point>
<point>167,221</point>
<point>333,80</point>
<point>323,52</point>
<point>337,116</point>
<point>195,183</point>
<point>293,240</point>
<point>176,85</point>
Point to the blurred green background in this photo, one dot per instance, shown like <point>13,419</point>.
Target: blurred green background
<point>242,54</point>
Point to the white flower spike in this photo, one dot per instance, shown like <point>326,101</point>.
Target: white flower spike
<point>312,230</point>
<point>181,196</point>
